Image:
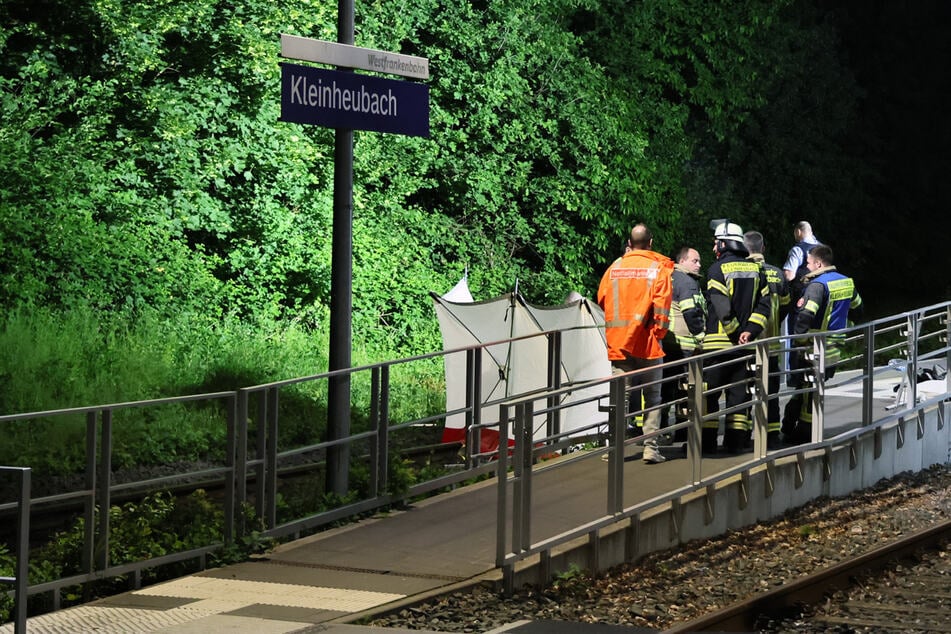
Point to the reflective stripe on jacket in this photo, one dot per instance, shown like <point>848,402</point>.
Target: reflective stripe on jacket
<point>779,298</point>
<point>738,300</point>
<point>829,302</point>
<point>635,293</point>
<point>688,311</point>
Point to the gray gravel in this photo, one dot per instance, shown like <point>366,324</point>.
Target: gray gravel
<point>704,575</point>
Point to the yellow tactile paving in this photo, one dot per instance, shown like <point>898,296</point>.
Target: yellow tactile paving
<point>253,592</point>
<point>212,599</point>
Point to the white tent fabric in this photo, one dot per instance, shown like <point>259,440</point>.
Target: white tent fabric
<point>514,368</point>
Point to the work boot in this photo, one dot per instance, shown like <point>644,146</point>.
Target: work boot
<point>708,440</point>
<point>798,435</point>
<point>653,456</point>
<point>734,441</point>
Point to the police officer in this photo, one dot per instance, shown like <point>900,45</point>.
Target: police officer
<point>779,307</point>
<point>829,302</point>
<point>688,322</point>
<point>738,310</point>
<point>635,293</point>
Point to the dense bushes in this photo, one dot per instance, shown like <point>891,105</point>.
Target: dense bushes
<point>145,166</point>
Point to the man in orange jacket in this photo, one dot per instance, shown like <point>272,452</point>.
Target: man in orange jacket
<point>635,293</point>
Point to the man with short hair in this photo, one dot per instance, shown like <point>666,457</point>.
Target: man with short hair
<point>794,270</point>
<point>779,307</point>
<point>829,302</point>
<point>635,293</point>
<point>795,266</point>
<point>688,316</point>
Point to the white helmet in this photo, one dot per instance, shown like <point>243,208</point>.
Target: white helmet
<point>726,230</point>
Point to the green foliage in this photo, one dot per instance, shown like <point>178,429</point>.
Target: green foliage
<point>145,165</point>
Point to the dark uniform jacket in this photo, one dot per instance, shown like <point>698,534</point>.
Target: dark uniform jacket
<point>737,300</point>
<point>779,297</point>
<point>688,314</point>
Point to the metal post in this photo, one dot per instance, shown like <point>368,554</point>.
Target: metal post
<point>697,409</point>
<point>101,559</point>
<point>819,396</point>
<point>554,382</point>
<point>617,426</point>
<point>868,375</point>
<point>22,568</point>
<point>341,280</point>
<point>760,407</point>
<point>502,475</point>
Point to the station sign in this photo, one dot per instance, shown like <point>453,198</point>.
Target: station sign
<point>338,99</point>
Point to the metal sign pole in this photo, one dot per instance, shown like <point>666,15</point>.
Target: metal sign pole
<point>341,298</point>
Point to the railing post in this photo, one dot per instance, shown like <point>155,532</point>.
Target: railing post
<point>947,348</point>
<point>518,469</point>
<point>241,462</point>
<point>88,556</point>
<point>270,456</point>
<point>384,428</point>
<point>524,415</point>
<point>819,378</point>
<point>911,368</point>
<point>501,503</point>
<point>104,495</point>
<point>229,508</point>
<point>554,382</point>
<point>473,405</point>
<point>260,453</point>
<point>696,405</point>
<point>868,376</point>
<point>22,569</point>
<point>760,406</point>
<point>374,480</point>
<point>617,416</point>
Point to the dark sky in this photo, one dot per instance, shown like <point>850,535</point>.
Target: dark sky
<point>900,53</point>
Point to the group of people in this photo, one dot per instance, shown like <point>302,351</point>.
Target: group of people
<point>656,309</point>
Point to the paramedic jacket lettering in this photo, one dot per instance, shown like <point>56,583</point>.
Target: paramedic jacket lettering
<point>829,302</point>
<point>635,293</point>
<point>738,299</point>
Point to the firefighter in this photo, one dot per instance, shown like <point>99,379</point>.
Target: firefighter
<point>779,308</point>
<point>635,293</point>
<point>829,302</point>
<point>688,322</point>
<point>738,308</point>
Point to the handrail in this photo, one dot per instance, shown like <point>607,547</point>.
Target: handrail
<point>907,324</point>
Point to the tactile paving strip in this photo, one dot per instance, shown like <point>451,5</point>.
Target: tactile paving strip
<point>211,597</point>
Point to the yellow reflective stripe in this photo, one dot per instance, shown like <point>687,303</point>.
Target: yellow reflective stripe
<point>811,307</point>
<point>687,304</point>
<point>717,286</point>
<point>758,319</point>
<point>615,294</point>
<point>731,326</point>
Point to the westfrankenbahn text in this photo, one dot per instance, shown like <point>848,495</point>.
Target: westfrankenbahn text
<point>329,96</point>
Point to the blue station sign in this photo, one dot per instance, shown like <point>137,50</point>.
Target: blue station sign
<point>346,100</point>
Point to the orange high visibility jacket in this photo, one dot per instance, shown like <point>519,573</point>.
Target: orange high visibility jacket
<point>635,293</point>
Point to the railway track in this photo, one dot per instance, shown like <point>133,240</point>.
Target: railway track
<point>903,586</point>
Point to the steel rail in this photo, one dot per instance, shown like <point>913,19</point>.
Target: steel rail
<point>743,616</point>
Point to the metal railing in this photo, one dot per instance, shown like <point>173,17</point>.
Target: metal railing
<point>918,338</point>
<point>261,452</point>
